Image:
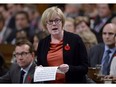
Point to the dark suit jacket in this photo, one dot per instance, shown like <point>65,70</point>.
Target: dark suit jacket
<point>76,57</point>
<point>95,55</point>
<point>7,34</point>
<point>13,75</point>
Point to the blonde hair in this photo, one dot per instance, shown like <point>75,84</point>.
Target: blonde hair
<point>80,19</point>
<point>49,13</point>
<point>88,37</point>
<point>70,19</point>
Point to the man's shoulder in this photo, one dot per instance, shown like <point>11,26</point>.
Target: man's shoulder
<point>14,66</point>
<point>99,46</point>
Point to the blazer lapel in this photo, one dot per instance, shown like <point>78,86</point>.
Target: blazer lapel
<point>30,74</point>
<point>66,41</point>
<point>29,78</point>
<point>46,49</point>
<point>101,52</point>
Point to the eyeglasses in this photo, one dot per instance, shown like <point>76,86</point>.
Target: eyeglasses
<point>22,54</point>
<point>56,21</point>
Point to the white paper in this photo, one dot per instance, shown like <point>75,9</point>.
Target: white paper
<point>107,81</point>
<point>45,74</point>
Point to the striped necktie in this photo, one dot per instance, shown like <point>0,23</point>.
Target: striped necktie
<point>105,66</point>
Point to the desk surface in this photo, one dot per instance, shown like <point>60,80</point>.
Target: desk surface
<point>93,73</point>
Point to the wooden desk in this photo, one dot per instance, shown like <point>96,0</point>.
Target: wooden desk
<point>92,73</point>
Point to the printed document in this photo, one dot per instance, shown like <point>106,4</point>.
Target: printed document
<point>45,74</point>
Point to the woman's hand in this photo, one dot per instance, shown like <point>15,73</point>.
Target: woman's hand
<point>64,68</point>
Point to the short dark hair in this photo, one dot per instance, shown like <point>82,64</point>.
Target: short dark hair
<point>23,42</point>
<point>24,13</point>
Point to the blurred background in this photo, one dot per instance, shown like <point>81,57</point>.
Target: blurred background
<point>22,21</point>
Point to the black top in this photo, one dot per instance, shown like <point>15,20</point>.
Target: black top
<point>75,57</point>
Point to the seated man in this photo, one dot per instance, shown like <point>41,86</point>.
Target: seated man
<point>112,74</point>
<point>103,53</point>
<point>23,70</point>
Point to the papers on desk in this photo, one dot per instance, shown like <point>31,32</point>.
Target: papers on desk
<point>45,74</point>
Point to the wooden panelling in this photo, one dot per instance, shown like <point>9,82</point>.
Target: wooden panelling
<point>41,7</point>
<point>7,51</point>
